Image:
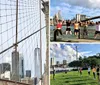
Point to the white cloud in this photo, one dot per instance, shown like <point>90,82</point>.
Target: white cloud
<point>65,4</point>
<point>84,3</point>
<point>67,52</point>
<point>85,52</point>
<point>68,11</point>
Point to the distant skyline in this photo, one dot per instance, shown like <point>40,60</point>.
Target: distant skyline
<point>69,8</point>
<point>26,26</point>
<point>68,51</point>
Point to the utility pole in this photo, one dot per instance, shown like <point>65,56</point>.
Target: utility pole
<point>46,12</point>
<point>76,53</point>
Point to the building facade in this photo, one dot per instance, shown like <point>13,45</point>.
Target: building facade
<point>21,66</point>
<point>15,66</point>
<point>37,61</point>
<point>80,17</point>
<point>28,73</point>
<point>4,67</point>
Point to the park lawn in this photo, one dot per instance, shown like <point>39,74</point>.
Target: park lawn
<point>73,78</point>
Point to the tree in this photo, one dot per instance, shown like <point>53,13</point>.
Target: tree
<point>75,64</point>
<point>85,62</point>
<point>94,61</point>
<point>80,58</point>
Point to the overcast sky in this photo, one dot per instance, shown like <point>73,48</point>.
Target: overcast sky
<point>69,8</point>
<point>29,22</point>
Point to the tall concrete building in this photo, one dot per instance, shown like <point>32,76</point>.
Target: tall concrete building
<point>28,73</point>
<point>4,67</point>
<point>56,17</point>
<point>15,66</point>
<point>57,62</point>
<point>80,17</point>
<point>65,62</point>
<point>59,15</point>
<point>37,63</point>
<point>83,17</point>
<point>21,66</point>
<point>50,61</point>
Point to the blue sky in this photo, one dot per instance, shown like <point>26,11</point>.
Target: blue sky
<point>88,49</point>
<point>67,51</point>
<point>69,8</point>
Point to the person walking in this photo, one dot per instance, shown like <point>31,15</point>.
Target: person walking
<point>80,70</point>
<point>89,70</point>
<point>53,73</point>
<point>98,73</point>
<point>94,72</point>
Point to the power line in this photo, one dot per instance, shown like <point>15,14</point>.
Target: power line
<point>21,40</point>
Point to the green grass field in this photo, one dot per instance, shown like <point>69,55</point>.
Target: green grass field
<point>73,78</point>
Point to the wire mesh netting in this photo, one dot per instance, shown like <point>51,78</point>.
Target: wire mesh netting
<point>28,23</point>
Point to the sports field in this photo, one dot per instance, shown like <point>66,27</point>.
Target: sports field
<point>73,78</point>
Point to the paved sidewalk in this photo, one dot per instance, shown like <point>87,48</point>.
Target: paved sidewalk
<point>72,38</point>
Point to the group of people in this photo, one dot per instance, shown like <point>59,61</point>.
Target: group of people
<point>77,26</point>
<point>95,71</point>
